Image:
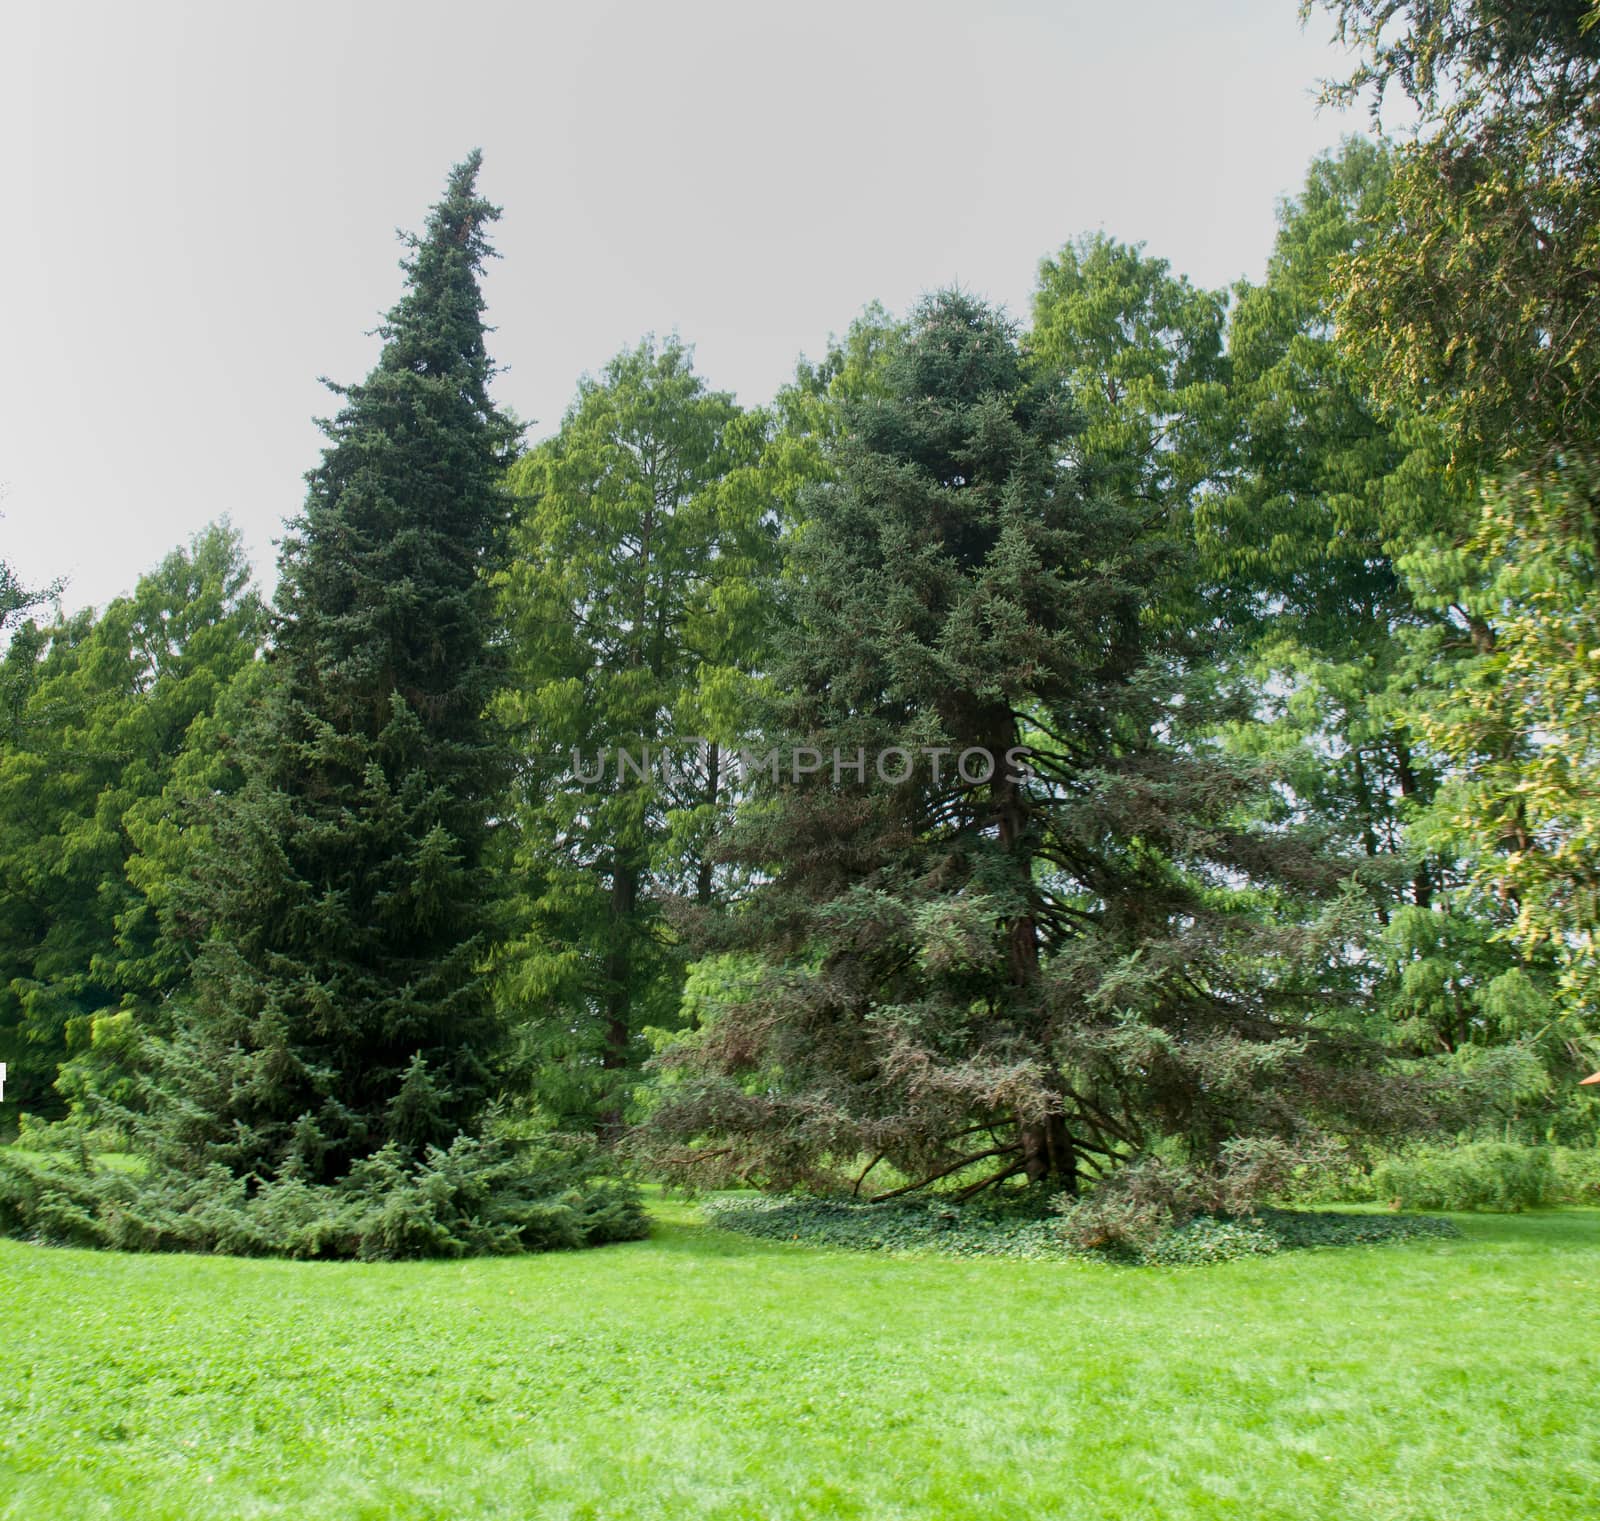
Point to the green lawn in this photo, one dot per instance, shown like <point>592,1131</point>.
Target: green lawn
<point>703,1375</point>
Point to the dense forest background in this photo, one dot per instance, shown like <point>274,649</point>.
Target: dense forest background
<point>492,833</point>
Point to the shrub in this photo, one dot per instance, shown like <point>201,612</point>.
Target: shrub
<point>1156,1195</point>
<point>1204,1240</point>
<point>477,1197</point>
<point>1577,1174</point>
<point>1494,1175</point>
<point>1014,1228</point>
<point>1001,1228</point>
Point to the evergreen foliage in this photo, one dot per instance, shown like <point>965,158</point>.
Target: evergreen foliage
<point>1036,974</point>
<point>1084,775</point>
<point>342,1004</point>
<point>474,1198</point>
<point>326,1089</point>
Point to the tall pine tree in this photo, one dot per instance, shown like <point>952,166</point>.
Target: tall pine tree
<point>342,1002</point>
<point>325,1092</point>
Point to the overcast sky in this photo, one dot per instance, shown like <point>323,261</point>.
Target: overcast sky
<point>200,203</point>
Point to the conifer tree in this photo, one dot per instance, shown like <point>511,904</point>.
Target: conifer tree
<point>324,1093</point>
<point>342,1003</point>
<point>977,968</point>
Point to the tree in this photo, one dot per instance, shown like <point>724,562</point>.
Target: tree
<point>967,966</point>
<point>342,998</point>
<point>326,1087</point>
<point>1301,536</point>
<point>1473,304</point>
<point>1474,299</point>
<point>1140,354</point>
<point>635,599</point>
<point>115,711</point>
<point>17,660</point>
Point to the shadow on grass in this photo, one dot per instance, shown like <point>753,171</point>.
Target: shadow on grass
<point>678,1227</point>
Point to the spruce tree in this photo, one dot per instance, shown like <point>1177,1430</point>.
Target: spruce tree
<point>341,1002</point>
<point>979,967</point>
<point>324,1091</point>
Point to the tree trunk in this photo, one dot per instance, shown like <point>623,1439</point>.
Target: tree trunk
<point>704,877</point>
<point>618,1036</point>
<point>1048,1154</point>
<point>1405,772</point>
<point>1009,808</point>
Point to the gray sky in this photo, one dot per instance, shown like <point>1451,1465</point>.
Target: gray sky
<point>200,201</point>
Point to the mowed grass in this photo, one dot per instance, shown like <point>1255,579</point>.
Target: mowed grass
<point>703,1375</point>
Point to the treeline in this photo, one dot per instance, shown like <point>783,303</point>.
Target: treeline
<point>1242,645</point>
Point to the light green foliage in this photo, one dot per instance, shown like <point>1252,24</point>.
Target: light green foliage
<point>809,413</point>
<point>1474,300</point>
<point>1482,1175</point>
<point>1470,1175</point>
<point>1452,988</point>
<point>1471,303</point>
<point>1299,538</point>
<point>117,740</point>
<point>1311,539</point>
<point>1139,352</point>
<point>638,598</point>
<point>702,1376</point>
<point>1522,719</point>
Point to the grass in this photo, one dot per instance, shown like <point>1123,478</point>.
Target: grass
<point>706,1375</point>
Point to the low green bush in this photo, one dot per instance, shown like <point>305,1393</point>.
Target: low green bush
<point>1007,1229</point>
<point>1480,1175</point>
<point>993,1230</point>
<point>1204,1240</point>
<point>1577,1174</point>
<point>477,1198</point>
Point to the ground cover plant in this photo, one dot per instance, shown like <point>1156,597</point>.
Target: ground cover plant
<point>703,1374</point>
<point>938,1225</point>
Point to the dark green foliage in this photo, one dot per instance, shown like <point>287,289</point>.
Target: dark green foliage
<point>896,1225</point>
<point>17,600</point>
<point>1034,974</point>
<point>342,1010</point>
<point>964,1231</point>
<point>475,1198</point>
